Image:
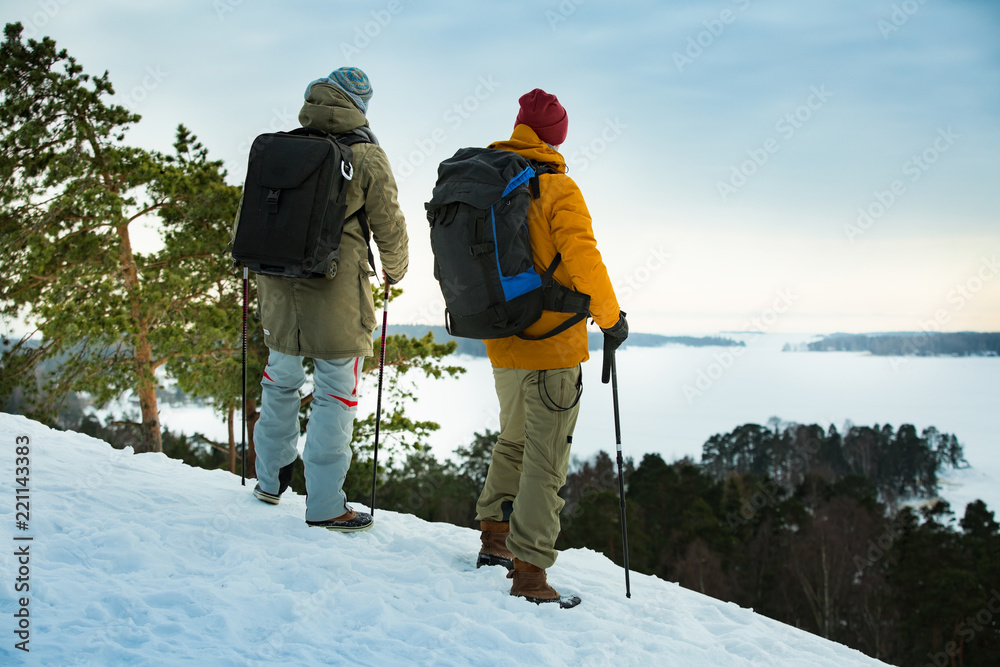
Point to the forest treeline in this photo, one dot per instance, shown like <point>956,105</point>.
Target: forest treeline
<point>808,526</point>
<point>912,344</point>
<point>477,348</point>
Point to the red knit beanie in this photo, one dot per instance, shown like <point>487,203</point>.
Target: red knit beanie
<point>543,114</point>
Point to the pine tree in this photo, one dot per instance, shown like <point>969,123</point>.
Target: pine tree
<point>71,194</point>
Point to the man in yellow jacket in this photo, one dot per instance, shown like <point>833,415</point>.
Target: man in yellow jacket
<point>539,382</point>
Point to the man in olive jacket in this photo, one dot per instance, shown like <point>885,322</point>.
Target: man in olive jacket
<point>329,320</point>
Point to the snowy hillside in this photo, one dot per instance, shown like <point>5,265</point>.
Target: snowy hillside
<point>142,560</point>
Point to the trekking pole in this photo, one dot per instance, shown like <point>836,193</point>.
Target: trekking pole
<point>378,405</point>
<point>243,463</point>
<point>610,369</point>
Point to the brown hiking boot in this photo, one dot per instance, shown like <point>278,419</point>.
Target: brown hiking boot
<point>494,550</point>
<point>530,583</point>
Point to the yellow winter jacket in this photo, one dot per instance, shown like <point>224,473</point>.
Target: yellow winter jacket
<point>558,221</point>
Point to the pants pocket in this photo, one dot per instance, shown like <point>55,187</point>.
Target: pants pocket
<point>560,390</point>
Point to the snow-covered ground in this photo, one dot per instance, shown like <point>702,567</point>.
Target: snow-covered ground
<point>142,560</point>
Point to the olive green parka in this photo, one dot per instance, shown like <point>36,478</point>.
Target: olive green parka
<point>333,318</point>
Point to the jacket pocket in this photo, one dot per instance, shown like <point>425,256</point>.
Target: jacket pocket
<point>366,298</point>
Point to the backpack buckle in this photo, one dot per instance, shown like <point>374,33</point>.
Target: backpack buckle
<point>272,200</point>
<point>347,169</point>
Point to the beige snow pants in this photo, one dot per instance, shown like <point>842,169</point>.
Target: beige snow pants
<point>538,411</point>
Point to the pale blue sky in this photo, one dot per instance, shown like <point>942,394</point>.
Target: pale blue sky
<point>726,148</point>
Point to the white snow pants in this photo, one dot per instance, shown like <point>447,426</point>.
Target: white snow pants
<point>327,453</point>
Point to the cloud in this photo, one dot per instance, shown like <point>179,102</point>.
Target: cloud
<point>698,90</point>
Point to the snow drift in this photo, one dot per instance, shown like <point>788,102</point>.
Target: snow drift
<point>142,560</point>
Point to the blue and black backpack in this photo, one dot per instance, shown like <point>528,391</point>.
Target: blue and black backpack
<point>478,217</point>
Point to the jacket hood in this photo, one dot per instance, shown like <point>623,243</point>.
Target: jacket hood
<point>331,110</point>
<point>526,143</point>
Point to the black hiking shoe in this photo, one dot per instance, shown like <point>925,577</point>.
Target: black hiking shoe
<point>284,479</point>
<point>349,522</point>
<point>265,497</point>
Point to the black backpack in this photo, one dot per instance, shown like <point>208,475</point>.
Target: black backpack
<point>478,217</point>
<point>294,203</point>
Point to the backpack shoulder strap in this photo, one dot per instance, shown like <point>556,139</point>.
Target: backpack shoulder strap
<point>359,135</point>
<point>540,168</point>
<point>362,135</point>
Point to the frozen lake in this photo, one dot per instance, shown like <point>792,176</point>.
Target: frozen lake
<point>674,398</point>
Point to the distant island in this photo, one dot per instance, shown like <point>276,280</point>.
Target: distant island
<point>903,344</point>
<point>476,348</point>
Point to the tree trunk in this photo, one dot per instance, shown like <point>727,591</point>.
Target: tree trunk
<point>144,367</point>
<point>151,436</point>
<point>827,603</point>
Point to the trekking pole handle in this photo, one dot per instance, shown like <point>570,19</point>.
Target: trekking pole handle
<point>609,359</point>
<point>609,356</point>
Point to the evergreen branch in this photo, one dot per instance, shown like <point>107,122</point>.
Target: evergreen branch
<point>146,211</point>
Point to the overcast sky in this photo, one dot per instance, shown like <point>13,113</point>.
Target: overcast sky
<point>806,167</point>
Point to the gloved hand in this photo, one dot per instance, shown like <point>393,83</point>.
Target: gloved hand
<point>614,336</point>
